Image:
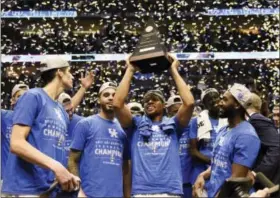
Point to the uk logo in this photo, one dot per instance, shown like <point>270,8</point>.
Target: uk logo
<point>155,128</point>
<point>113,133</point>
<point>221,141</point>
<point>240,96</point>
<point>58,113</point>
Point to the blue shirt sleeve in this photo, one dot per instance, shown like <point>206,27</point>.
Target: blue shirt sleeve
<point>26,109</point>
<point>80,136</point>
<point>246,150</point>
<point>3,113</point>
<point>193,128</point>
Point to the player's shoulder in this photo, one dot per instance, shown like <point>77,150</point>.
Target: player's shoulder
<point>32,94</point>
<point>34,91</point>
<point>6,115</point>
<point>245,128</point>
<point>89,119</point>
<point>78,117</point>
<point>6,112</point>
<point>194,119</point>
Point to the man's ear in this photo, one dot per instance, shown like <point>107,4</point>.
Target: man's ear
<point>237,106</point>
<point>12,100</point>
<point>59,73</point>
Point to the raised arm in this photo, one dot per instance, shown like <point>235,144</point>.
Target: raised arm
<point>184,114</point>
<point>122,112</point>
<point>86,82</point>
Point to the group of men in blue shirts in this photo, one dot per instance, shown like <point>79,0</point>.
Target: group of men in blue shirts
<point>171,156</point>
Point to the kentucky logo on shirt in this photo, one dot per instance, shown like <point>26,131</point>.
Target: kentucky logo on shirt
<point>113,133</point>
<point>58,113</point>
<point>155,128</point>
<point>221,141</point>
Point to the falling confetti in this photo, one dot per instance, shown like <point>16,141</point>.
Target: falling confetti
<point>115,27</point>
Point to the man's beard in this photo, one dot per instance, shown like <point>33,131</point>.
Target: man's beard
<point>227,112</point>
<point>215,112</point>
<point>106,109</point>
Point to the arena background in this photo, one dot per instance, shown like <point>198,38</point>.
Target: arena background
<point>218,42</point>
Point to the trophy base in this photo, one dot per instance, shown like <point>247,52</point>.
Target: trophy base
<point>235,187</point>
<point>151,63</point>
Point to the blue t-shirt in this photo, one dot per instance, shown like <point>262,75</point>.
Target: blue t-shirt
<point>239,145</point>
<point>155,159</point>
<point>185,157</point>
<point>6,130</point>
<point>70,134</point>
<point>102,144</point>
<point>48,121</point>
<point>205,146</point>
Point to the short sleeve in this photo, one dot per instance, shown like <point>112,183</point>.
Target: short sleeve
<point>26,109</point>
<point>135,121</point>
<point>3,116</point>
<point>246,150</point>
<point>193,129</point>
<point>80,136</point>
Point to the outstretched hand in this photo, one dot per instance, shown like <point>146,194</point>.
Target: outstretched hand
<point>130,66</point>
<point>176,63</point>
<point>87,80</point>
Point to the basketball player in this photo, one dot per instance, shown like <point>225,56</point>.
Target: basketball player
<point>173,105</point>
<point>203,132</point>
<point>6,124</point>
<point>156,169</point>
<point>98,150</point>
<point>237,144</point>
<point>38,136</point>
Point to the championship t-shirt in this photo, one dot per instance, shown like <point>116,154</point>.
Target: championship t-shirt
<point>205,146</point>
<point>48,121</point>
<point>239,145</point>
<point>102,143</point>
<point>6,130</point>
<point>185,157</point>
<point>70,134</point>
<point>156,164</point>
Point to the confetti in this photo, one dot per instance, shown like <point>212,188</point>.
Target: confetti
<point>115,27</point>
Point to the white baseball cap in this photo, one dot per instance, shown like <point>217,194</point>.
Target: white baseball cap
<point>53,62</point>
<point>107,85</point>
<point>19,87</point>
<point>207,91</point>
<point>135,105</point>
<point>241,93</point>
<point>176,99</point>
<point>63,97</point>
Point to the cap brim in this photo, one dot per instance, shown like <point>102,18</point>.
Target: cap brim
<point>154,94</point>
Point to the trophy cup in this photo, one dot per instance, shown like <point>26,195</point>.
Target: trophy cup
<point>150,54</point>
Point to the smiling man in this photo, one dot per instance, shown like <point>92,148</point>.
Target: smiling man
<point>98,150</point>
<point>156,169</point>
<point>237,144</point>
